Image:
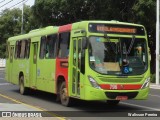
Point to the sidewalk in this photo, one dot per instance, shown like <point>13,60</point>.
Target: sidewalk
<point>16,107</point>
<point>10,110</point>
<point>2,68</point>
<point>154,86</point>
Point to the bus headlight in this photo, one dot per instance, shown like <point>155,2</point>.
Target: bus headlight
<point>146,83</point>
<point>93,82</point>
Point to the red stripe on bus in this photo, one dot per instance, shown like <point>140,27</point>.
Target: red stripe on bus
<point>61,71</point>
<point>120,86</point>
<point>65,28</point>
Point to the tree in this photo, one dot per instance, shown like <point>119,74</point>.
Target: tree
<point>10,25</point>
<point>145,13</point>
<point>58,12</point>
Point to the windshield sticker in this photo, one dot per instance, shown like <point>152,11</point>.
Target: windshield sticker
<point>98,40</point>
<point>126,70</point>
<point>92,58</point>
<point>130,69</point>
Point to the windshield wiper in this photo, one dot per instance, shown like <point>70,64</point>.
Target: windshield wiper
<point>131,45</point>
<point>108,40</point>
<point>125,51</point>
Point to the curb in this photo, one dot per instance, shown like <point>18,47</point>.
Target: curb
<point>154,86</point>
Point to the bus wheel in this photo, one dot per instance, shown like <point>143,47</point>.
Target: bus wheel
<point>64,98</point>
<point>22,88</point>
<point>113,102</point>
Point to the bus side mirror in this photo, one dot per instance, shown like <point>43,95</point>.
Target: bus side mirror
<point>84,43</point>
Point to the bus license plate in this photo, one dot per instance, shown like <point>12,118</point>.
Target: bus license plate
<point>122,98</point>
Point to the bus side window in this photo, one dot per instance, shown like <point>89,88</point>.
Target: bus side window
<point>18,49</point>
<point>50,46</point>
<point>27,48</point>
<point>63,46</point>
<point>42,47</point>
<point>22,51</point>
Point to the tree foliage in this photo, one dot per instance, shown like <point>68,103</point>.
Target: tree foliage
<point>11,22</point>
<point>66,11</point>
<point>145,13</point>
<point>60,12</point>
<point>9,26</point>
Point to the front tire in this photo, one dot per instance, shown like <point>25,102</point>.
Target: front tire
<point>64,98</point>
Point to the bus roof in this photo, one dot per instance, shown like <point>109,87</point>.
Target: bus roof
<point>34,33</point>
<point>113,22</point>
<point>56,29</point>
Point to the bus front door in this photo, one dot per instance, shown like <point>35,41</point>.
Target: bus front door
<point>33,68</point>
<point>78,68</point>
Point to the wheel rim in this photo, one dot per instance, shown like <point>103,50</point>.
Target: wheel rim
<point>64,96</point>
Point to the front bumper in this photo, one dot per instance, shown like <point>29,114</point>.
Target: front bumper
<point>100,94</point>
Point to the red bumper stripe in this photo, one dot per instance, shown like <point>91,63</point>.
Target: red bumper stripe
<point>120,86</point>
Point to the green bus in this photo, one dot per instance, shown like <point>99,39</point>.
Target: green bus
<point>87,60</point>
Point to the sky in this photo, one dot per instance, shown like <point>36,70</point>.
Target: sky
<point>4,4</point>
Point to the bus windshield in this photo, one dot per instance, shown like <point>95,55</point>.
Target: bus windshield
<point>118,56</point>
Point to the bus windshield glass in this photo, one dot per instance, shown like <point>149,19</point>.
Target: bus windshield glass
<point>118,56</point>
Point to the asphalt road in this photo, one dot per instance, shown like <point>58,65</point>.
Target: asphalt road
<point>81,109</point>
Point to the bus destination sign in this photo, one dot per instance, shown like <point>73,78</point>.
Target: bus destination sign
<point>118,29</point>
<point>115,29</point>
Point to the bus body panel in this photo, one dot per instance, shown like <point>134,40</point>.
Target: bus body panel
<point>44,74</point>
<point>47,83</point>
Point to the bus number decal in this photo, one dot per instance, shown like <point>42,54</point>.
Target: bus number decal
<point>113,87</point>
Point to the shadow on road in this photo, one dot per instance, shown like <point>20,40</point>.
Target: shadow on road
<point>79,108</point>
<point>98,106</point>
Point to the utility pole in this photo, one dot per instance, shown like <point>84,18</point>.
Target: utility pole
<point>157,44</point>
<point>22,17</point>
